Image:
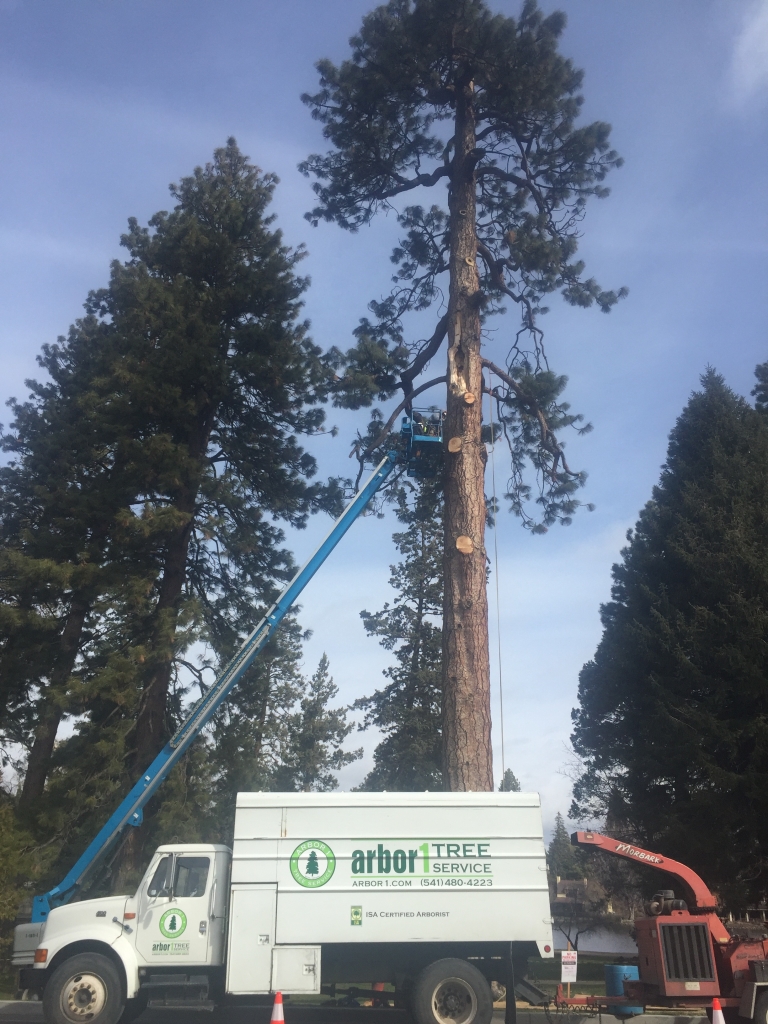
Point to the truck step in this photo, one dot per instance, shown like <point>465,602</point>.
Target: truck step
<point>178,991</point>
<point>156,981</point>
<point>181,1004</point>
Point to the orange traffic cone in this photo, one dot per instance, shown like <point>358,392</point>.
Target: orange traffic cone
<point>717,1012</point>
<point>277,1009</point>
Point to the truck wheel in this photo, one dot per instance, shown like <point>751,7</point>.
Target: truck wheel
<point>451,992</point>
<point>85,988</point>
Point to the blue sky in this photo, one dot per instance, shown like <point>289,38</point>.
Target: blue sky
<point>104,102</point>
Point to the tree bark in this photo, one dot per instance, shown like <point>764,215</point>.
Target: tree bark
<point>39,762</point>
<point>467,754</point>
<point>150,730</point>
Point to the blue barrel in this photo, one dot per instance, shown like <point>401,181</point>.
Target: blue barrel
<point>615,976</point>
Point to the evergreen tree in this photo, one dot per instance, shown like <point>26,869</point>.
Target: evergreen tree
<point>509,783</point>
<point>760,390</point>
<point>20,863</point>
<point>445,94</point>
<point>222,379</point>
<point>563,859</point>
<point>310,744</point>
<point>249,727</point>
<point>61,494</point>
<point>193,380</point>
<point>407,709</point>
<point>672,710</point>
<point>312,865</point>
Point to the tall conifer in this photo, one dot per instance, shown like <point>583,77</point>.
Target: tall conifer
<point>672,712</point>
<point>408,709</point>
<point>446,95</point>
<point>62,492</point>
<point>193,379</point>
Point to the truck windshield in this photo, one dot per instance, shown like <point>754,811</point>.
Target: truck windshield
<point>161,879</point>
<point>191,876</point>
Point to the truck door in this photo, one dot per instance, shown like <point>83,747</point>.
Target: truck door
<point>217,909</point>
<point>174,916</point>
<point>252,915</point>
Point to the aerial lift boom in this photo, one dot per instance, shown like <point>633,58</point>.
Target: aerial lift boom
<point>130,811</point>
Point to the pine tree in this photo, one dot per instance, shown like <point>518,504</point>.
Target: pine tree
<point>310,743</point>
<point>407,710</point>
<point>672,710</point>
<point>223,379</point>
<point>312,865</point>
<point>194,380</point>
<point>61,493</point>
<point>20,864</point>
<point>760,390</point>
<point>563,859</point>
<point>509,783</point>
<point>247,733</point>
<point>443,93</point>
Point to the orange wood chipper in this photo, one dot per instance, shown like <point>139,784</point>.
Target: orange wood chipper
<point>686,955</point>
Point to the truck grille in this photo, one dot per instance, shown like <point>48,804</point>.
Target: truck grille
<point>687,955</point>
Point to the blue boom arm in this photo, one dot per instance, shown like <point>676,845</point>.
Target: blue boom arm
<point>130,811</point>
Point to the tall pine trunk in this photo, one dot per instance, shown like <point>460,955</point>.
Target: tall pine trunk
<point>150,729</point>
<point>150,732</point>
<point>467,754</point>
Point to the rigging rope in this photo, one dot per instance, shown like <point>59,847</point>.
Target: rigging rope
<point>496,572</point>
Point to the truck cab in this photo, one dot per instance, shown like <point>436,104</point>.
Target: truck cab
<point>165,944</point>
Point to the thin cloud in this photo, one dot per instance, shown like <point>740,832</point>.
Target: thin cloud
<point>749,65</point>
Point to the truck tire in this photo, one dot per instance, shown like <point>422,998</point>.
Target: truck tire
<point>85,989</point>
<point>451,992</point>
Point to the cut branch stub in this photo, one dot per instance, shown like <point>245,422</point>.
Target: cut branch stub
<point>454,445</point>
<point>469,398</point>
<point>464,545</point>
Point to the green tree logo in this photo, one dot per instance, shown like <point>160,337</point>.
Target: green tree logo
<point>173,922</point>
<point>306,866</point>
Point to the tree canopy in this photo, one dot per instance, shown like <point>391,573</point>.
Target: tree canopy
<point>671,721</point>
<point>141,516</point>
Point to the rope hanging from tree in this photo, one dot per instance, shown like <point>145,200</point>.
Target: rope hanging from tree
<point>496,570</point>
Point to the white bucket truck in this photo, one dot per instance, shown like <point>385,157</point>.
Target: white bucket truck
<point>433,892</point>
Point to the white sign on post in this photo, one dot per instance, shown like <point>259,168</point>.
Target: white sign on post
<point>568,963</point>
